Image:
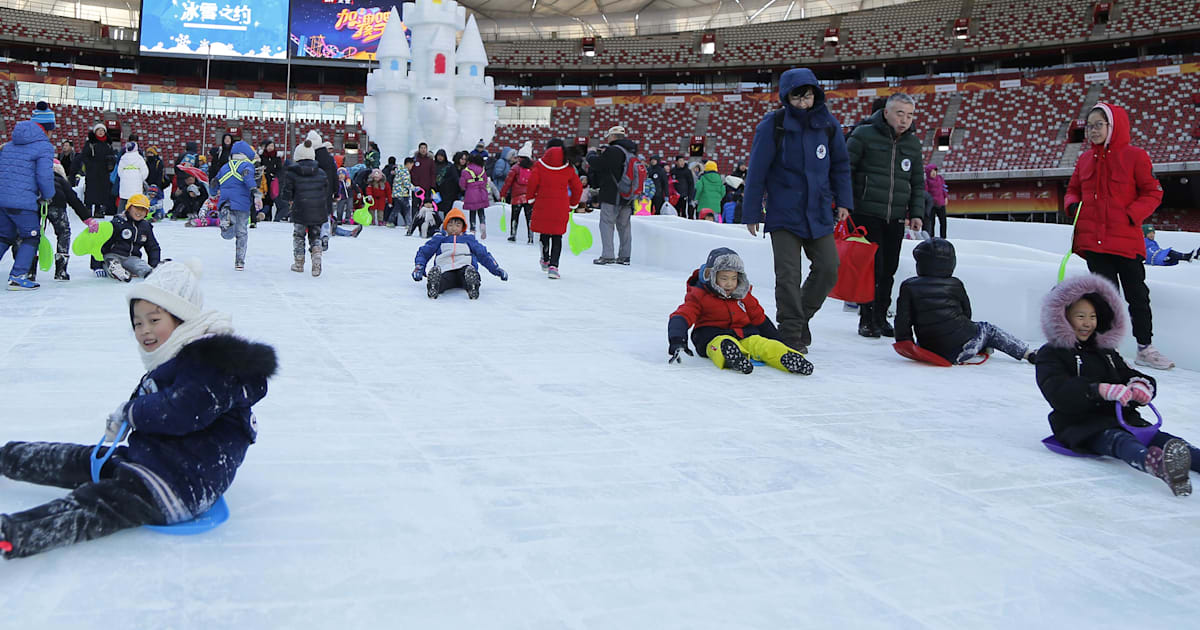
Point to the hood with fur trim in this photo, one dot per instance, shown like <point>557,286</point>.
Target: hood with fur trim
<point>233,355</point>
<point>723,259</point>
<point>1112,321</point>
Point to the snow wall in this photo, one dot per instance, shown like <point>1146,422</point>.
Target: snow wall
<point>1007,268</point>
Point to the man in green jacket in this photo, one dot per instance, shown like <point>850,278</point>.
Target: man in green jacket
<point>889,190</point>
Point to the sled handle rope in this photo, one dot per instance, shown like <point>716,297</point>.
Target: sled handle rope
<point>1062,266</point>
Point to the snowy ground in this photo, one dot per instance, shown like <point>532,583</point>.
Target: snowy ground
<point>531,461</point>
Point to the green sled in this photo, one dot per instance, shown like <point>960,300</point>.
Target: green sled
<point>89,244</point>
<point>579,238</point>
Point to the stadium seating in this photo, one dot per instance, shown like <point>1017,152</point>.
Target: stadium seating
<point>1143,15</point>
<point>905,29</point>
<point>1021,22</point>
<point>658,129</point>
<point>773,40</point>
<point>44,27</point>
<point>1162,116</point>
<point>1014,128</point>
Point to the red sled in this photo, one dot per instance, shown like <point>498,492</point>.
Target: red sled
<point>856,264</point>
<point>917,353</point>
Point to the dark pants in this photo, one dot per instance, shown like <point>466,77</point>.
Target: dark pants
<point>1121,444</point>
<point>1130,275</point>
<point>936,212</point>
<point>401,209</point>
<point>685,208</point>
<point>888,235</point>
<point>989,336</point>
<point>515,220</point>
<point>656,204</point>
<point>551,248</point>
<point>120,500</point>
<point>798,298</point>
<point>477,216</point>
<point>461,278</point>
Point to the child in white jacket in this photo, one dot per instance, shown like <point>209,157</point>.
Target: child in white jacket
<point>131,173</point>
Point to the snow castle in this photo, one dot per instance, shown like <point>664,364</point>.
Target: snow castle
<point>444,100</point>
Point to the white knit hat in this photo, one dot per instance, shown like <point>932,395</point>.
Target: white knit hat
<point>526,150</point>
<point>304,152</point>
<point>174,286</point>
<point>315,137</point>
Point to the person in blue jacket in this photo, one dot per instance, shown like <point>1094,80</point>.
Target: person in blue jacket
<point>236,184</point>
<point>456,257</point>
<point>1164,256</point>
<point>189,423</point>
<point>26,176</point>
<point>799,163</point>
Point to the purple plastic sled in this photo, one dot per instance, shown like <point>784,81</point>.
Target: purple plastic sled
<point>1141,434</point>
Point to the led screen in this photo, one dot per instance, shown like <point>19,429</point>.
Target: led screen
<point>224,28</point>
<point>338,29</point>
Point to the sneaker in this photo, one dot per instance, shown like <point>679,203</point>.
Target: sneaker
<point>623,261</point>
<point>253,225</point>
<point>512,238</point>
<point>553,273</point>
<point>117,272</point>
<point>604,261</point>
<point>239,266</point>
<point>1150,357</point>
<point>796,363</point>
<point>471,282</point>
<point>735,359</point>
<point>101,273</point>
<point>1171,464</point>
<point>433,283</point>
<point>545,265</point>
<point>21,283</point>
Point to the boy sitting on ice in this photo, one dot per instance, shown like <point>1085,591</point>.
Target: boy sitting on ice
<point>456,257</point>
<point>728,325</point>
<point>935,303</point>
<point>131,232</point>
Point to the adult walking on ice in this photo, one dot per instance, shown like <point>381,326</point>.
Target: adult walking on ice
<point>798,160</point>
<point>1115,184</point>
<point>606,170</point>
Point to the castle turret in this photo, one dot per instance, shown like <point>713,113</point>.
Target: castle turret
<point>434,24</point>
<point>387,107</point>
<point>473,90</point>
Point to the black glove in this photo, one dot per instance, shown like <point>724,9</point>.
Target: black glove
<point>676,347</point>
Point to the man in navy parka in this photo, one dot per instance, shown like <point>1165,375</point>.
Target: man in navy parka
<point>26,175</point>
<point>803,174</point>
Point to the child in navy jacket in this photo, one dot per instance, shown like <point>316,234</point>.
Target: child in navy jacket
<point>189,423</point>
<point>729,325</point>
<point>131,232</point>
<point>456,257</point>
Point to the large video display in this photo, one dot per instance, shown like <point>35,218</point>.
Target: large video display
<point>338,29</point>
<point>222,28</point>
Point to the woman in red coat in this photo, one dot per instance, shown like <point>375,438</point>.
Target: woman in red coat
<point>555,188</point>
<point>1116,190</point>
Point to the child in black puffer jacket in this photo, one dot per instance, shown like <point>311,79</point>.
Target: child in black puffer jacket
<point>1083,377</point>
<point>189,424</point>
<point>935,304</point>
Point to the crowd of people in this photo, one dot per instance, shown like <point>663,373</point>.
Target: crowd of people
<point>803,177</point>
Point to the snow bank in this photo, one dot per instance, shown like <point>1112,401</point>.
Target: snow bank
<point>1006,267</point>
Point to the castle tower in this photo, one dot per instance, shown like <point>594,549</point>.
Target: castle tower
<point>474,92</point>
<point>387,106</point>
<point>434,24</point>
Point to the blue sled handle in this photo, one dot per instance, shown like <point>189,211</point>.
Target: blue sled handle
<point>98,461</point>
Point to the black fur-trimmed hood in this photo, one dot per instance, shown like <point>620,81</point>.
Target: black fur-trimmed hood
<point>237,356</point>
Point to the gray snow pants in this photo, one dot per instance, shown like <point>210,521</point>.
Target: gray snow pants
<point>136,267</point>
<point>798,298</point>
<point>615,216</point>
<point>120,500</point>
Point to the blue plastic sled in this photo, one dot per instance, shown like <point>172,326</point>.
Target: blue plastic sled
<point>1142,434</point>
<point>217,514</point>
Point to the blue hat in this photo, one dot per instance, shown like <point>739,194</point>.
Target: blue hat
<point>43,116</point>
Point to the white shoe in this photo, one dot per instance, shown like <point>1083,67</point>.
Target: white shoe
<point>1150,357</point>
<point>118,272</point>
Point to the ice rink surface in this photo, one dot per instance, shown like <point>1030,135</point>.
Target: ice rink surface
<point>529,460</point>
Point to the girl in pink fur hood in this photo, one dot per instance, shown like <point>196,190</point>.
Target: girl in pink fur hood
<point>1083,377</point>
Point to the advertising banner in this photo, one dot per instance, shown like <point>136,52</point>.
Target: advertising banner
<point>339,29</point>
<point>221,28</point>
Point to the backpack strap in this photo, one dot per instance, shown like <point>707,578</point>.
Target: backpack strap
<point>779,131</point>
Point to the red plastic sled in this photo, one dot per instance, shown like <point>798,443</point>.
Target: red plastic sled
<point>917,353</point>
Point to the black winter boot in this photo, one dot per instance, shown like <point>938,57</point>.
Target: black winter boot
<point>433,285</point>
<point>1171,464</point>
<point>60,269</point>
<point>866,321</point>
<point>735,359</point>
<point>471,282</point>
<point>881,322</point>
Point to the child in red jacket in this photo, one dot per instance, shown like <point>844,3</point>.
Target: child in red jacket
<point>728,325</point>
<point>1113,191</point>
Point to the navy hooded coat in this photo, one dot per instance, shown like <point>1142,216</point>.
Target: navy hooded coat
<point>810,173</point>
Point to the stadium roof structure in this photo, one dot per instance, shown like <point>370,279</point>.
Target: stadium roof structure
<point>544,19</point>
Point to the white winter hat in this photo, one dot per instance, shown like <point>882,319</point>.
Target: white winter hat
<point>526,150</point>
<point>314,137</point>
<point>305,152</point>
<point>174,286</point>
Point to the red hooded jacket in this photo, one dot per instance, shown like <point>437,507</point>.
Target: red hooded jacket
<point>1116,183</point>
<point>554,187</point>
<point>702,307</point>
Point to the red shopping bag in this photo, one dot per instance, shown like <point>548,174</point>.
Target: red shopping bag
<point>856,268</point>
